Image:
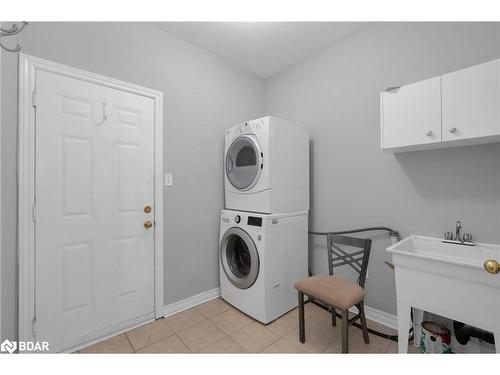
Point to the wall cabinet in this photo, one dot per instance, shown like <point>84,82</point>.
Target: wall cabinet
<point>411,115</point>
<point>471,102</point>
<point>454,109</point>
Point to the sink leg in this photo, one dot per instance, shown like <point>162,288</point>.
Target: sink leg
<point>418,317</point>
<point>496,335</point>
<point>403,327</point>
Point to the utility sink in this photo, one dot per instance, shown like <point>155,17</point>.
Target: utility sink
<point>449,279</point>
<point>446,251</point>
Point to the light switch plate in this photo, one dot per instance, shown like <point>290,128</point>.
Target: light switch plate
<point>169,179</point>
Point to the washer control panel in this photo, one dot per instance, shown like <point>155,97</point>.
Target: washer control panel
<point>254,221</point>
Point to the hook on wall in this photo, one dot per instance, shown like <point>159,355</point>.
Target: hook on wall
<point>14,29</point>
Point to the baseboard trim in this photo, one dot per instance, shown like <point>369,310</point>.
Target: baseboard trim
<point>379,316</point>
<point>189,302</point>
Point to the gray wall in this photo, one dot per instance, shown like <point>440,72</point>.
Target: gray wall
<point>354,183</point>
<point>335,93</point>
<point>203,96</point>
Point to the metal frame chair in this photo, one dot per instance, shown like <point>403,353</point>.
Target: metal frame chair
<point>338,257</point>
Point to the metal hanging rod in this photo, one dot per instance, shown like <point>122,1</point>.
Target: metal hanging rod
<point>14,29</point>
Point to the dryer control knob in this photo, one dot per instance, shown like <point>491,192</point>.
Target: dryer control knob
<point>237,219</point>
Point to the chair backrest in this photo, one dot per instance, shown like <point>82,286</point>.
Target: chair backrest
<point>356,259</point>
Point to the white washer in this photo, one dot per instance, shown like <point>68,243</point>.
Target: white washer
<point>261,257</point>
<point>266,164</point>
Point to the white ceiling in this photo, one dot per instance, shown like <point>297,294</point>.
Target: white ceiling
<point>263,48</point>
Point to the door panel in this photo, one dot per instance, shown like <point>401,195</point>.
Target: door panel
<point>411,115</point>
<point>76,278</point>
<point>94,260</point>
<point>471,102</point>
<point>76,175</point>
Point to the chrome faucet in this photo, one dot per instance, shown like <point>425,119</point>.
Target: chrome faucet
<point>458,237</point>
<point>465,239</point>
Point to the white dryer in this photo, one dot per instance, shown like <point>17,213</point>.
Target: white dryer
<point>266,164</point>
<point>261,257</point>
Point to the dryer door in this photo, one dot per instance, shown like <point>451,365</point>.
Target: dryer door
<point>244,162</point>
<point>239,258</point>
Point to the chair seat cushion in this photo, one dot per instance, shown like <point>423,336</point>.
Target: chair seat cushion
<point>333,290</point>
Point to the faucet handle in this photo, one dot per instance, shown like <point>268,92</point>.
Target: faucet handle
<point>467,237</point>
<point>448,236</point>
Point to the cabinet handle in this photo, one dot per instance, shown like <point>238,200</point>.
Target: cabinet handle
<point>429,133</point>
<point>453,130</point>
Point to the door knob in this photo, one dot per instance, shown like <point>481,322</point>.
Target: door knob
<point>147,208</point>
<point>492,266</point>
<point>148,224</point>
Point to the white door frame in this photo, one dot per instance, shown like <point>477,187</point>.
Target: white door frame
<point>0,191</point>
<point>28,66</point>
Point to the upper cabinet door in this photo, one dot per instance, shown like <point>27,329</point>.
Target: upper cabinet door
<point>471,102</point>
<point>411,115</point>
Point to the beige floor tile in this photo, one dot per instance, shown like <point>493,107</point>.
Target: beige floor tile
<point>380,327</point>
<point>311,311</point>
<point>357,345</point>
<point>226,345</point>
<point>393,348</point>
<point>320,335</point>
<point>185,319</point>
<point>117,344</point>
<point>286,346</point>
<point>170,344</point>
<point>201,336</point>
<point>284,324</point>
<point>148,334</point>
<point>254,337</point>
<point>414,349</point>
<point>231,321</point>
<point>213,308</point>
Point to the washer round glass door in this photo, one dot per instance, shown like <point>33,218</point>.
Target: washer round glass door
<point>239,258</point>
<point>243,162</point>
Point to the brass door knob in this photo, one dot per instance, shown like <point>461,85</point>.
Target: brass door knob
<point>147,209</point>
<point>148,224</point>
<point>492,266</point>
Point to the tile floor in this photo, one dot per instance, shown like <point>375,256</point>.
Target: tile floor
<point>217,327</point>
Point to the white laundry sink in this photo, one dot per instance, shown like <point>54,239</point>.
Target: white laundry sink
<point>447,252</point>
<point>448,279</point>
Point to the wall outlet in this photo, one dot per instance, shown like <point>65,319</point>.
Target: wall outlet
<point>169,179</point>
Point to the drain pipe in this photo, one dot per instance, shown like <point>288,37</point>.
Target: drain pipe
<point>464,333</point>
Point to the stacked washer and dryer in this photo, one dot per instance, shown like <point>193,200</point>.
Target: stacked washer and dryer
<point>263,230</point>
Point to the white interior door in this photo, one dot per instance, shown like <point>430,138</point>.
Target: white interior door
<point>94,255</point>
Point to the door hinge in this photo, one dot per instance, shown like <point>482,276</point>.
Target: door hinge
<point>33,327</point>
<point>34,212</point>
<point>34,101</point>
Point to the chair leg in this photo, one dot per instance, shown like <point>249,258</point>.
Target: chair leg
<point>364,327</point>
<point>345,331</point>
<point>334,317</point>
<point>302,335</point>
